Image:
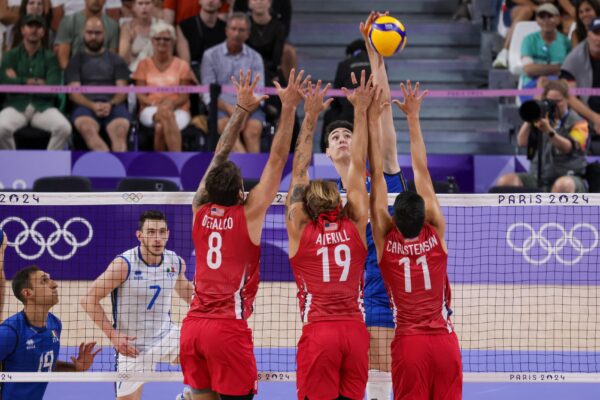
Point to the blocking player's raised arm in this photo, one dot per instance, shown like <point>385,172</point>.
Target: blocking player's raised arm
<point>411,106</point>
<point>113,277</point>
<point>247,102</point>
<point>389,151</point>
<point>381,221</point>
<point>358,203</point>
<point>261,197</point>
<point>295,216</point>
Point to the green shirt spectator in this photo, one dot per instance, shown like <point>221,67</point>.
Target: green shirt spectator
<point>42,65</point>
<point>535,47</point>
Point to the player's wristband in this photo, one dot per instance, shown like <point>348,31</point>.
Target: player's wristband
<point>237,105</point>
<point>551,134</point>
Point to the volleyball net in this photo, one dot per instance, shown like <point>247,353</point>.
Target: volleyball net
<point>523,268</point>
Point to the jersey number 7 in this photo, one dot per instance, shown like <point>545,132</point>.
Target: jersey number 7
<point>342,257</point>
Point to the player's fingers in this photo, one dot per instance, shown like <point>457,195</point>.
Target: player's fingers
<point>73,360</point>
<point>398,103</point>
<point>299,77</point>
<point>235,83</point>
<point>346,92</point>
<point>327,87</point>
<point>263,98</point>
<point>96,352</point>
<point>403,90</point>
<point>242,82</point>
<point>328,103</point>
<point>249,75</point>
<point>277,85</point>
<point>363,74</point>
<point>423,95</point>
<point>353,78</point>
<point>291,78</point>
<point>255,82</point>
<point>305,82</point>
<point>318,86</point>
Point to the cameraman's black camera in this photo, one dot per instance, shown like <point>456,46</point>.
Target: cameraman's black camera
<point>534,110</point>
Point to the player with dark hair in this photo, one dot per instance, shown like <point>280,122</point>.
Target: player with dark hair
<point>30,339</point>
<point>140,282</point>
<point>217,356</point>
<point>413,256</point>
<point>327,250</point>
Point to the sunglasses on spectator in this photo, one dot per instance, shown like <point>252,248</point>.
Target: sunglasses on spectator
<point>544,15</point>
<point>162,39</point>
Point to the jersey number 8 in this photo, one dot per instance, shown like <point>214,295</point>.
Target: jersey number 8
<point>214,256</point>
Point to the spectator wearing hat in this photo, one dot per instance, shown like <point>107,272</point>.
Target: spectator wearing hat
<point>581,68</point>
<point>543,52</point>
<point>31,64</point>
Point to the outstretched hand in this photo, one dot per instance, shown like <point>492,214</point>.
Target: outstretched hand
<point>378,104</point>
<point>85,357</point>
<point>294,93</point>
<point>313,101</point>
<point>246,99</point>
<point>363,94</point>
<point>411,104</point>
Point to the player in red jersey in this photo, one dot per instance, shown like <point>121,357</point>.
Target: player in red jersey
<point>327,249</point>
<point>413,257</point>
<point>217,356</point>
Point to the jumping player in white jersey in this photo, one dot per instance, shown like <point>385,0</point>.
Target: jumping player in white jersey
<point>141,282</point>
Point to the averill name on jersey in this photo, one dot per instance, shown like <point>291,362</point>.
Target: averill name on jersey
<point>325,239</point>
<point>219,224</point>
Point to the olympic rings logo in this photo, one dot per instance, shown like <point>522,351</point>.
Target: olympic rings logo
<point>49,243</point>
<point>552,248</point>
<point>132,197</point>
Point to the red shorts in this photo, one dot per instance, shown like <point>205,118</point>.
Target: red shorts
<point>333,360</point>
<point>426,367</point>
<point>218,354</point>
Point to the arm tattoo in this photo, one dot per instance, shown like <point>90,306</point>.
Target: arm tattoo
<point>296,196</point>
<point>224,146</point>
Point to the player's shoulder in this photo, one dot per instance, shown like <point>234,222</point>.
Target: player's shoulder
<point>53,322</point>
<point>15,321</point>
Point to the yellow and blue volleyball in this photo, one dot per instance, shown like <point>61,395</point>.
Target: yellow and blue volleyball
<point>387,35</point>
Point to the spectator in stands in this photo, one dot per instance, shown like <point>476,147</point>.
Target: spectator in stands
<point>98,66</point>
<point>200,32</point>
<point>64,8</point>
<point>357,59</point>
<point>134,43</point>
<point>564,139</point>
<point>70,37</point>
<point>543,52</point>
<point>175,11</point>
<point>581,68</point>
<point>585,12</point>
<point>167,113</point>
<point>524,10</point>
<point>281,10</point>
<point>267,37</point>
<point>31,64</point>
<point>34,7</point>
<point>225,60</point>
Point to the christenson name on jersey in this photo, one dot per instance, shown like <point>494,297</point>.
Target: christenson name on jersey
<point>411,249</point>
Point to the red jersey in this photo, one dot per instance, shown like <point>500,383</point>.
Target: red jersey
<point>415,274</point>
<point>226,279</point>
<point>329,268</point>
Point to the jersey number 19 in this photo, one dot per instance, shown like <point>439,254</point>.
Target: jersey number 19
<point>341,255</point>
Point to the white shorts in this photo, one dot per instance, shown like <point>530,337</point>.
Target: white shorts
<point>182,117</point>
<point>166,351</point>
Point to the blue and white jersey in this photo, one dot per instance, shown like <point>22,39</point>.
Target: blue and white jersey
<point>142,304</point>
<point>27,348</point>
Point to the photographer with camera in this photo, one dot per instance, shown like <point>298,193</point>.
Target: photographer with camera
<point>556,139</point>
